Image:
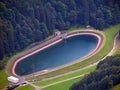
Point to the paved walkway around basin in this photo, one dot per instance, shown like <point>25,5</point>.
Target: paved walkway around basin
<point>115,47</point>
<point>90,32</point>
<point>100,37</point>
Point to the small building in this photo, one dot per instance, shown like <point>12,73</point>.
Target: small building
<point>88,27</point>
<point>13,79</point>
<point>57,32</point>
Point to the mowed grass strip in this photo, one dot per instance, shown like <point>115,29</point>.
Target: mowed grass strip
<point>117,52</point>
<point>3,79</point>
<point>26,87</point>
<point>117,87</point>
<point>77,73</point>
<point>109,36</point>
<point>64,85</point>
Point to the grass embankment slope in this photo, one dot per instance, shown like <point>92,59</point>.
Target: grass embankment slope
<point>3,79</point>
<point>63,86</point>
<point>117,87</point>
<point>3,76</point>
<point>56,80</point>
<point>26,87</point>
<point>67,76</point>
<point>109,36</point>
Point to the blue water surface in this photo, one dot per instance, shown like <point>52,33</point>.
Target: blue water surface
<point>62,53</point>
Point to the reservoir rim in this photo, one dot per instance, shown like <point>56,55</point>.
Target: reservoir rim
<point>91,33</point>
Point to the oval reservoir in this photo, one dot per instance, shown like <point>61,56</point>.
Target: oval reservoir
<point>64,52</point>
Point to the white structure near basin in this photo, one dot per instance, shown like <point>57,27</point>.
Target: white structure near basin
<point>13,79</point>
<point>57,32</point>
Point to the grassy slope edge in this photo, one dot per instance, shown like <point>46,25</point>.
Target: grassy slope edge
<point>3,79</point>
<point>109,33</point>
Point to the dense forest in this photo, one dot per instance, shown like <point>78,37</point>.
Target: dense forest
<point>106,75</point>
<point>23,22</point>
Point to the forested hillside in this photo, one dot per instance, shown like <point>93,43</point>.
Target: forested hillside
<point>106,75</point>
<point>23,22</point>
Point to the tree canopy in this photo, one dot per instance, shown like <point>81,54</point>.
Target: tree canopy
<point>106,75</point>
<point>23,22</point>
